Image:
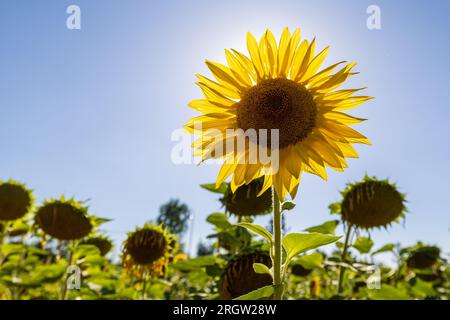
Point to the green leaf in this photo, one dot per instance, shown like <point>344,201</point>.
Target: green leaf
<point>261,269</point>
<point>422,289</point>
<point>287,206</point>
<point>385,248</point>
<point>220,220</point>
<point>296,243</point>
<point>256,229</point>
<point>12,248</point>
<point>195,263</point>
<point>310,261</point>
<point>387,292</point>
<point>326,228</point>
<point>261,293</point>
<point>363,245</point>
<point>212,187</point>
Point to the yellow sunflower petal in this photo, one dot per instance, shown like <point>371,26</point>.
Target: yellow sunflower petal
<point>224,76</point>
<point>253,50</point>
<point>315,64</point>
<point>266,185</point>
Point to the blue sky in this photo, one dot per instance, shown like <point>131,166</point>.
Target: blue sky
<point>89,113</point>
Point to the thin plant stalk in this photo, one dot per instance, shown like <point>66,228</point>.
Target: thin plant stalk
<point>70,248</point>
<point>343,259</point>
<point>144,285</point>
<point>277,249</point>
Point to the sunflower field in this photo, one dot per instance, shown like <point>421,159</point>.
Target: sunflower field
<point>55,249</point>
<point>269,116</point>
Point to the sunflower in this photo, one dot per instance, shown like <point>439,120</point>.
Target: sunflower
<point>239,278</point>
<point>279,86</point>
<point>372,203</point>
<point>64,219</point>
<point>423,257</point>
<point>104,244</point>
<point>247,200</point>
<point>15,200</point>
<point>300,271</point>
<point>148,249</point>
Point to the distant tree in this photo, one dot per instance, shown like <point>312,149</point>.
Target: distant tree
<point>204,249</point>
<point>175,216</point>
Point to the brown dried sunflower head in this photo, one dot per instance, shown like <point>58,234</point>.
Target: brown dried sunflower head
<point>245,200</point>
<point>239,277</point>
<point>15,200</point>
<point>64,219</point>
<point>104,244</point>
<point>147,244</point>
<point>423,257</point>
<point>300,271</point>
<point>372,203</point>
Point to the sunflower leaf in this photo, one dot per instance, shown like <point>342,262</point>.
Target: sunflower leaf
<point>363,245</point>
<point>385,248</point>
<point>261,269</point>
<point>261,293</point>
<point>220,220</point>
<point>387,292</point>
<point>296,243</point>
<point>326,228</point>
<point>256,229</point>
<point>287,206</point>
<point>212,187</point>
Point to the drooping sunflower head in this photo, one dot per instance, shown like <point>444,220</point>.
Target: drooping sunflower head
<point>423,257</point>
<point>147,245</point>
<point>300,271</point>
<point>372,203</point>
<point>15,200</point>
<point>103,243</point>
<point>64,219</point>
<point>278,86</point>
<point>239,278</point>
<point>246,201</point>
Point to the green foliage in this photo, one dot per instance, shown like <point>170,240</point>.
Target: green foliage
<point>327,227</point>
<point>258,294</point>
<point>363,244</point>
<point>297,243</point>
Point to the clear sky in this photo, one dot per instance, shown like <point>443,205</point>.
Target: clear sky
<point>89,113</point>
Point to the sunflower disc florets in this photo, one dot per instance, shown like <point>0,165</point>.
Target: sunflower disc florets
<point>372,203</point>
<point>245,200</point>
<point>300,271</point>
<point>239,277</point>
<point>64,219</point>
<point>15,200</point>
<point>423,257</point>
<point>147,250</point>
<point>103,244</point>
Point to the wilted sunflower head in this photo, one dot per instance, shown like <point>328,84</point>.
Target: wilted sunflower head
<point>64,219</point>
<point>239,278</point>
<point>423,257</point>
<point>372,203</point>
<point>280,86</point>
<point>246,201</point>
<point>147,245</point>
<point>300,271</point>
<point>104,244</point>
<point>15,200</point>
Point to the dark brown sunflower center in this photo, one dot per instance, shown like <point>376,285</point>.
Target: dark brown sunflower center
<point>278,104</point>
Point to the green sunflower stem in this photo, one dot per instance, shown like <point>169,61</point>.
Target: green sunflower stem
<point>344,258</point>
<point>144,285</point>
<point>70,248</point>
<point>277,249</point>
